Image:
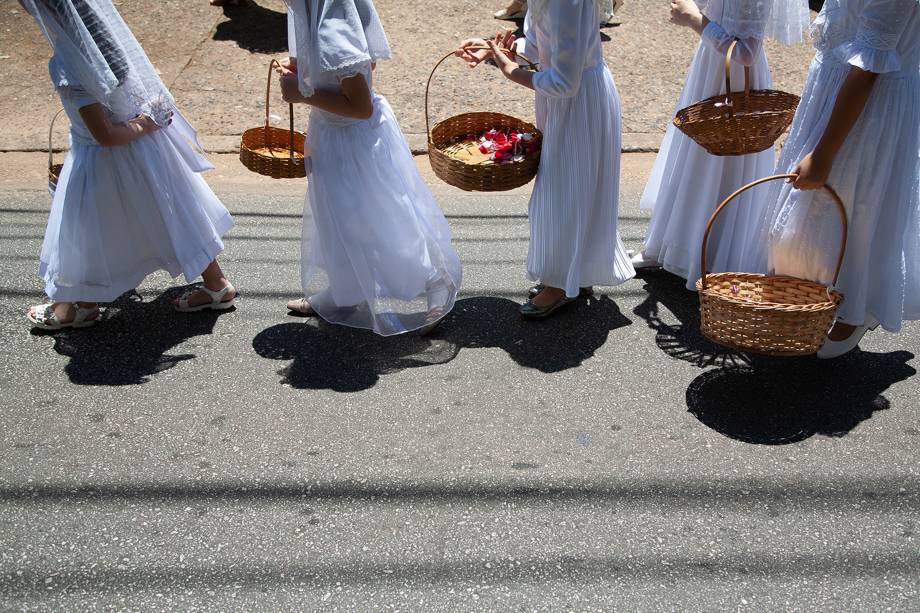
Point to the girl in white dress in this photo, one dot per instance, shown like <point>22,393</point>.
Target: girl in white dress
<point>688,183</point>
<point>377,250</point>
<point>856,130</point>
<point>574,242</point>
<point>130,199</point>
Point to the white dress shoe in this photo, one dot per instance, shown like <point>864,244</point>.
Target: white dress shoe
<point>641,260</point>
<point>834,349</point>
<point>516,10</point>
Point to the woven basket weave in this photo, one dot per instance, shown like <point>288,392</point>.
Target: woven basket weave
<point>450,136</point>
<point>770,315</point>
<point>54,170</point>
<point>738,123</point>
<point>278,161</point>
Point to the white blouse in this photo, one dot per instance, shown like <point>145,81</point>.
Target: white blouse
<point>562,36</point>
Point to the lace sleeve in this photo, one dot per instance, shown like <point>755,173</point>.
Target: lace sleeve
<point>352,70</point>
<point>881,25</point>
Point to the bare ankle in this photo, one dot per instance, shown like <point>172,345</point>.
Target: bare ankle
<point>216,285</point>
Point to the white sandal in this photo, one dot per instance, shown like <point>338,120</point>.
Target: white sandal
<point>505,14</point>
<point>217,300</point>
<point>45,318</point>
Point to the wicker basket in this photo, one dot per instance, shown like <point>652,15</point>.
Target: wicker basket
<point>271,151</point>
<point>447,138</point>
<point>54,170</point>
<point>770,315</point>
<point>738,123</point>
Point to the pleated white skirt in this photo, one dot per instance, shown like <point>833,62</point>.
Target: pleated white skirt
<point>574,240</point>
<point>687,183</point>
<point>377,250</point>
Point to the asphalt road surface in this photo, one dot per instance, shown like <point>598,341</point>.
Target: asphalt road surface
<point>609,458</point>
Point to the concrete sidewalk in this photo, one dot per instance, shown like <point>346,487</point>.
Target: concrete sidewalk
<point>215,62</point>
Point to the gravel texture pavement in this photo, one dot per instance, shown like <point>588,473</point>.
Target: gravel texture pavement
<point>608,459</point>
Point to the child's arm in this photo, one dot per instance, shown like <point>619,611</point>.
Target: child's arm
<point>507,64</point>
<point>572,24</point>
<point>873,51</point>
<point>354,100</point>
<point>686,13</point>
<point>110,134</point>
<point>815,167</point>
<point>509,67</point>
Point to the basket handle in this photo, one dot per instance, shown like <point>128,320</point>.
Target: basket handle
<point>725,203</point>
<point>268,89</point>
<point>728,75</point>
<point>531,65</point>
<point>50,145</point>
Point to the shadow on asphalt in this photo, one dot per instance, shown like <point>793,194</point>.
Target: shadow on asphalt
<point>408,574</point>
<point>767,401</point>
<point>778,401</point>
<point>130,343</point>
<point>254,28</point>
<point>845,493</point>
<point>348,360</point>
<point>682,341</point>
<point>326,356</point>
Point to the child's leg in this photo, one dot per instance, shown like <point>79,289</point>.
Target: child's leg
<point>215,280</point>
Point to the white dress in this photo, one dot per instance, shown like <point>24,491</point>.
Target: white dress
<point>121,213</point>
<point>377,250</point>
<point>574,240</point>
<point>875,172</point>
<point>687,183</point>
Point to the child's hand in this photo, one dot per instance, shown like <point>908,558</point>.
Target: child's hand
<point>290,88</point>
<point>473,58</point>
<point>501,59</point>
<point>146,124</point>
<point>286,65</point>
<point>813,172</point>
<point>505,39</point>
<point>686,13</point>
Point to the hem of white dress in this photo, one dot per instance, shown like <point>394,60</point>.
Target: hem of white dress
<point>620,276</point>
<point>101,293</point>
<point>408,330</point>
<point>209,252</point>
<point>128,282</point>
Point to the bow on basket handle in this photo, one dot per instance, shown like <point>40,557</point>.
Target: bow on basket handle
<point>268,89</point>
<point>527,62</point>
